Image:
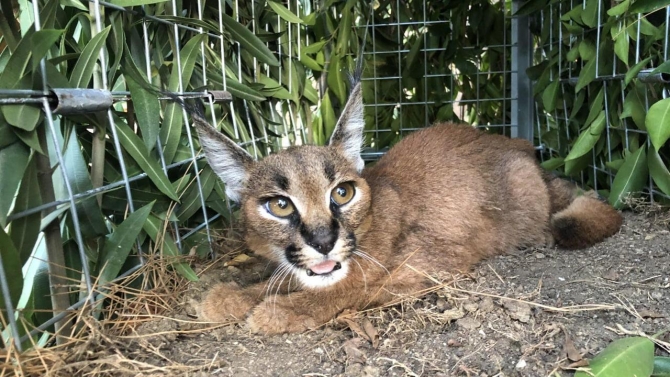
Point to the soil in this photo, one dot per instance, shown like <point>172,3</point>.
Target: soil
<point>530,313</point>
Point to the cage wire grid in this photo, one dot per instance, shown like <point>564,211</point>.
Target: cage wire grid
<point>543,120</point>
<point>519,117</point>
<point>90,293</point>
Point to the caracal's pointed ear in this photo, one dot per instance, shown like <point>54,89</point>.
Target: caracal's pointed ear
<point>230,162</point>
<point>348,133</point>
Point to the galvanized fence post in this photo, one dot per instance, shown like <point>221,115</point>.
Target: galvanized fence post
<point>522,90</point>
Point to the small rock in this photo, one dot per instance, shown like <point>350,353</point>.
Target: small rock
<point>453,343</point>
<point>441,304</point>
<point>521,364</point>
<point>319,350</point>
<point>611,274</point>
<point>471,307</point>
<point>518,310</point>
<point>468,323</point>
<point>370,371</point>
<point>539,256</point>
<point>486,305</point>
<point>656,295</point>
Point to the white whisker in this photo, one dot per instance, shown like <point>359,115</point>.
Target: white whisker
<point>283,276</point>
<point>369,258</point>
<point>365,279</point>
<point>275,276</point>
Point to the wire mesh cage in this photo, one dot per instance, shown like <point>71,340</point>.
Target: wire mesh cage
<point>599,67</point>
<point>100,174</point>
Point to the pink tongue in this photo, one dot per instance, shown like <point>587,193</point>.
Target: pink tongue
<point>324,267</point>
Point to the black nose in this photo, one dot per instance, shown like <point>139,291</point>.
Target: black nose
<point>322,239</point>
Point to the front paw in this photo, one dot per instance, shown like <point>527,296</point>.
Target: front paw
<point>271,318</point>
<point>225,302</point>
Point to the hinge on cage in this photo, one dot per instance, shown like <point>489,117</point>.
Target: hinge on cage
<point>219,96</point>
<point>81,101</point>
<point>646,76</point>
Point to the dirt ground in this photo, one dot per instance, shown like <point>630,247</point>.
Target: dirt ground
<point>531,313</point>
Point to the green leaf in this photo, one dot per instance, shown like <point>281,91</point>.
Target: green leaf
<point>131,3</point>
<point>12,267</point>
<point>10,32</point>
<point>335,78</point>
<point>590,14</point>
<point>138,151</point>
<point>587,75</point>
<point>314,47</point>
<point>596,106</point>
<point>588,138</point>
<point>647,6</point>
<point>205,25</point>
<point>661,367</point>
<point>284,13</point>
<point>25,117</point>
<point>553,163</point>
<point>618,10</point>
<point>249,41</point>
<point>30,139</point>
<point>658,171</point>
<point>116,45</point>
<point>273,87</point>
<point>657,123</point>
<point>634,108</point>
<point>344,29</point>
<point>155,229</point>
<point>647,28</point>
<point>24,230</point>
<point>630,179</point>
<point>328,116</point>
<point>120,243</point>
<point>90,216</point>
<point>633,72</point>
<point>42,41</point>
<point>191,200</point>
<point>83,70</point>
<point>574,14</point>
<point>531,6</point>
<point>147,110</point>
<point>13,162</point>
<point>170,132</point>
<point>573,54</point>
<point>623,357</point>
<point>621,43</point>
<point>550,95</point>
<point>309,62</point>
<point>587,50</point>
<point>7,135</point>
<point>664,68</point>
<point>75,4</point>
<point>615,164</point>
<point>242,91</point>
<point>17,64</point>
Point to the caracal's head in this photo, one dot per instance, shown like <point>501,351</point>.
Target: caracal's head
<point>301,207</point>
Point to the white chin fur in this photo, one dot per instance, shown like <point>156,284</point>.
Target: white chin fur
<point>321,281</point>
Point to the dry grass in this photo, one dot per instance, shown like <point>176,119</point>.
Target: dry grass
<point>111,344</point>
<point>654,211</point>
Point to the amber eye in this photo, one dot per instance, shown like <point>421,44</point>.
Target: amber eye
<point>343,193</point>
<point>280,206</point>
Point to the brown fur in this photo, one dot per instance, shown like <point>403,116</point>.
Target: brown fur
<point>442,199</point>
